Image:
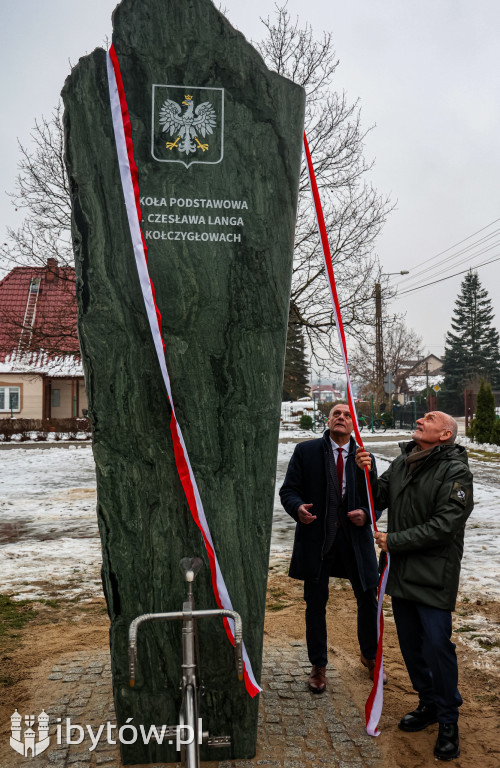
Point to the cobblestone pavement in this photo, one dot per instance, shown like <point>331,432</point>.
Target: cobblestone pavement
<point>297,729</point>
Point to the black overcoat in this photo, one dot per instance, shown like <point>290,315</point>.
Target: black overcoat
<point>307,482</point>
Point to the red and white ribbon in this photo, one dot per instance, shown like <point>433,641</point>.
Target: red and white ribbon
<point>130,184</point>
<point>374,703</point>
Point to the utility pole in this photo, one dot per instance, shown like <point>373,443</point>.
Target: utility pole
<point>379,345</point>
<point>427,384</point>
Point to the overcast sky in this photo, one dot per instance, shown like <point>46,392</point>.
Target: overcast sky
<point>427,76</point>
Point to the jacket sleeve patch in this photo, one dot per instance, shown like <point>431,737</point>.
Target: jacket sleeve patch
<point>459,494</point>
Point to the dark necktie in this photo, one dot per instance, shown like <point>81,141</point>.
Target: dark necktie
<point>340,470</point>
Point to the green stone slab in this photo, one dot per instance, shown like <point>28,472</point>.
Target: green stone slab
<point>224,304</point>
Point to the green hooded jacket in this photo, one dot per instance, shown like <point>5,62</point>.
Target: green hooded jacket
<point>427,512</point>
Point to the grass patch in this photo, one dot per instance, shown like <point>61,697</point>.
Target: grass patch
<point>50,603</point>
<point>277,606</point>
<point>14,614</point>
<point>276,592</point>
<point>486,456</point>
<point>466,628</point>
<point>275,600</point>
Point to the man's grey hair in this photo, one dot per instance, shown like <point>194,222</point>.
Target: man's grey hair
<point>451,424</point>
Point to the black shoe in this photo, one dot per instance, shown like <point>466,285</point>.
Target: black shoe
<point>420,718</point>
<point>447,744</point>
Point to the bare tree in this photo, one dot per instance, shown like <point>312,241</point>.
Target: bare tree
<point>42,192</point>
<point>354,211</point>
<point>402,347</point>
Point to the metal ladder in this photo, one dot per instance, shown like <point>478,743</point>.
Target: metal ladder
<point>29,315</point>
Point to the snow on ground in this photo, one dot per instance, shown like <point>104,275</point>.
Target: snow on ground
<point>48,529</point>
<point>49,540</point>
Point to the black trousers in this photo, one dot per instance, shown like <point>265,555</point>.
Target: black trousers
<point>424,636</point>
<point>316,597</point>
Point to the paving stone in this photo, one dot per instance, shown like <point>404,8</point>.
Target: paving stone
<point>85,692</point>
<point>273,705</point>
<point>55,676</point>
<point>79,757</point>
<point>316,743</point>
<point>293,752</point>
<point>80,764</point>
<point>302,686</point>
<point>274,729</point>
<point>276,741</point>
<point>71,678</point>
<point>340,737</point>
<point>74,711</point>
<point>244,764</point>
<point>334,728</point>
<point>60,709</point>
<point>57,756</point>
<point>271,718</point>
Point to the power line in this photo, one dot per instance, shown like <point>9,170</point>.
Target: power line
<point>459,243</point>
<point>465,250</point>
<point>468,258</point>
<point>419,288</point>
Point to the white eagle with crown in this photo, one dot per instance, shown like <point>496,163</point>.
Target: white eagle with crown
<point>201,120</point>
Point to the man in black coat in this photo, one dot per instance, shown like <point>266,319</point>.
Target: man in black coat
<point>333,537</point>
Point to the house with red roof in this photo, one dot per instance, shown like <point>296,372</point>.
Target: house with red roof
<point>41,374</point>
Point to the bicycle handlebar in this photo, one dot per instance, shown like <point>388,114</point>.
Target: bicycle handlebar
<point>136,623</point>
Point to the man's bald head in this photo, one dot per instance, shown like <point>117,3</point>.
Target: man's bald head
<point>435,428</point>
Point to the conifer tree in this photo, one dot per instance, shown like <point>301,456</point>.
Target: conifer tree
<point>472,347</point>
<point>484,419</point>
<point>296,375</point>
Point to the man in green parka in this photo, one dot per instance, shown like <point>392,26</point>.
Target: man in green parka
<point>428,493</point>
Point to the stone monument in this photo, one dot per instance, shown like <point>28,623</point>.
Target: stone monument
<point>217,142</point>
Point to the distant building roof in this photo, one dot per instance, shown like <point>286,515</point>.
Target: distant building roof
<point>322,387</point>
<point>38,313</point>
<point>417,383</point>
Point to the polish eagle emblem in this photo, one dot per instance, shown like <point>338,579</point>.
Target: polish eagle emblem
<point>187,125</point>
